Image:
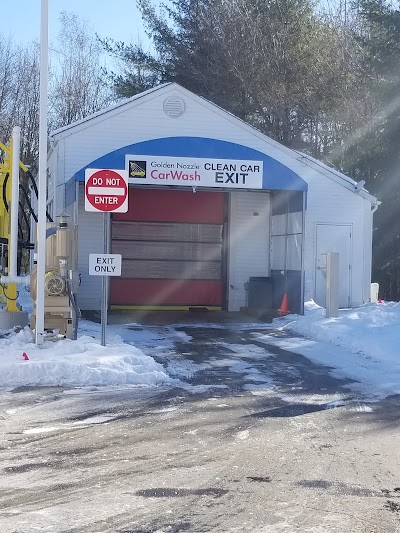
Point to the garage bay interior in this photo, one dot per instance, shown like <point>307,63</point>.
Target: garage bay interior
<point>208,249</point>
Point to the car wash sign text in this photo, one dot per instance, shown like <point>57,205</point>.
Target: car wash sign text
<point>194,172</point>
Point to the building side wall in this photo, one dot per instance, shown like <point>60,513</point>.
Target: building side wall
<point>90,230</point>
<point>56,178</point>
<point>59,200</point>
<point>51,182</point>
<point>249,230</point>
<point>330,203</point>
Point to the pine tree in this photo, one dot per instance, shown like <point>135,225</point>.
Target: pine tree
<point>375,155</point>
<point>274,64</point>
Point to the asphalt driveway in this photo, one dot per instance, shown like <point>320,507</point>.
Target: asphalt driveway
<point>251,438</point>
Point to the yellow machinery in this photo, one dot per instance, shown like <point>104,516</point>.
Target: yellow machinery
<point>61,278</point>
<point>8,292</point>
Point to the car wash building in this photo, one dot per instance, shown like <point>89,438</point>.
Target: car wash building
<point>220,216</point>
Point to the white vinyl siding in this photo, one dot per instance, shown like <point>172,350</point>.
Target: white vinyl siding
<point>248,246</point>
<point>112,129</point>
<point>90,231</point>
<point>329,203</point>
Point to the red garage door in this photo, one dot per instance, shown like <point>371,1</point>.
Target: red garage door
<point>171,242</point>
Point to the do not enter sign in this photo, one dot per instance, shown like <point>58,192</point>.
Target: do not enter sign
<point>106,190</point>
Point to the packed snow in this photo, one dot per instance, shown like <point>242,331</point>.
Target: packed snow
<point>362,344</point>
<point>80,363</point>
<point>83,362</point>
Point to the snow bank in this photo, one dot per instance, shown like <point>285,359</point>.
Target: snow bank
<point>361,343</point>
<point>372,330</point>
<point>83,362</point>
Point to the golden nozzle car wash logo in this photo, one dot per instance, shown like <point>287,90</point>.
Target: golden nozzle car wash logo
<point>137,169</point>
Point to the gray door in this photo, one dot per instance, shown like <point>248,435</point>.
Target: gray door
<point>333,238</point>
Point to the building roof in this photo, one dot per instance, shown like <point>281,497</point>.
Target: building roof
<point>106,111</point>
<point>306,159</point>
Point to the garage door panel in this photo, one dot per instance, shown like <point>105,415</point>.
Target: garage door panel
<point>170,269</point>
<point>186,251</point>
<point>156,231</point>
<point>165,292</point>
<point>156,205</point>
<point>171,243</point>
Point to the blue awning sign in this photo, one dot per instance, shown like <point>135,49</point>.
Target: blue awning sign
<point>218,158</point>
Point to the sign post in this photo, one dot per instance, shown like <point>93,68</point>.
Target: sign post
<point>106,191</point>
<point>105,286</point>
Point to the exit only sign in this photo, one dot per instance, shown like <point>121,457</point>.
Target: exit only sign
<point>105,264</point>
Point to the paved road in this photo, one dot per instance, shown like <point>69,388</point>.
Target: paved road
<point>255,439</point>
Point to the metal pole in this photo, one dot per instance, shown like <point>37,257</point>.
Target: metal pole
<point>16,148</point>
<point>105,280</point>
<point>42,185</point>
<point>303,243</point>
<point>332,284</point>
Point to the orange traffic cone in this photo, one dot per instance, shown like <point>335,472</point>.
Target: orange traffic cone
<point>284,308</point>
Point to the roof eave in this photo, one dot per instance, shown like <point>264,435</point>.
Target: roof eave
<point>60,132</point>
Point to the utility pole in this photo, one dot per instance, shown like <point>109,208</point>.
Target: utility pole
<point>42,184</point>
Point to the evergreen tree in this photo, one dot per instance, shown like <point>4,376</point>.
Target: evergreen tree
<point>274,64</point>
<point>374,153</point>
<point>187,41</point>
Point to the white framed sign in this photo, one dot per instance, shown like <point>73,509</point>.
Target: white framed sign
<point>194,172</point>
<point>106,190</point>
<point>105,264</point>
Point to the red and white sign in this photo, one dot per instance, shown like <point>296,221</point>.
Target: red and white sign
<point>106,190</point>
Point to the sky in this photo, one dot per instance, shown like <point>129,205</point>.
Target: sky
<point>361,343</point>
<point>117,19</point>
